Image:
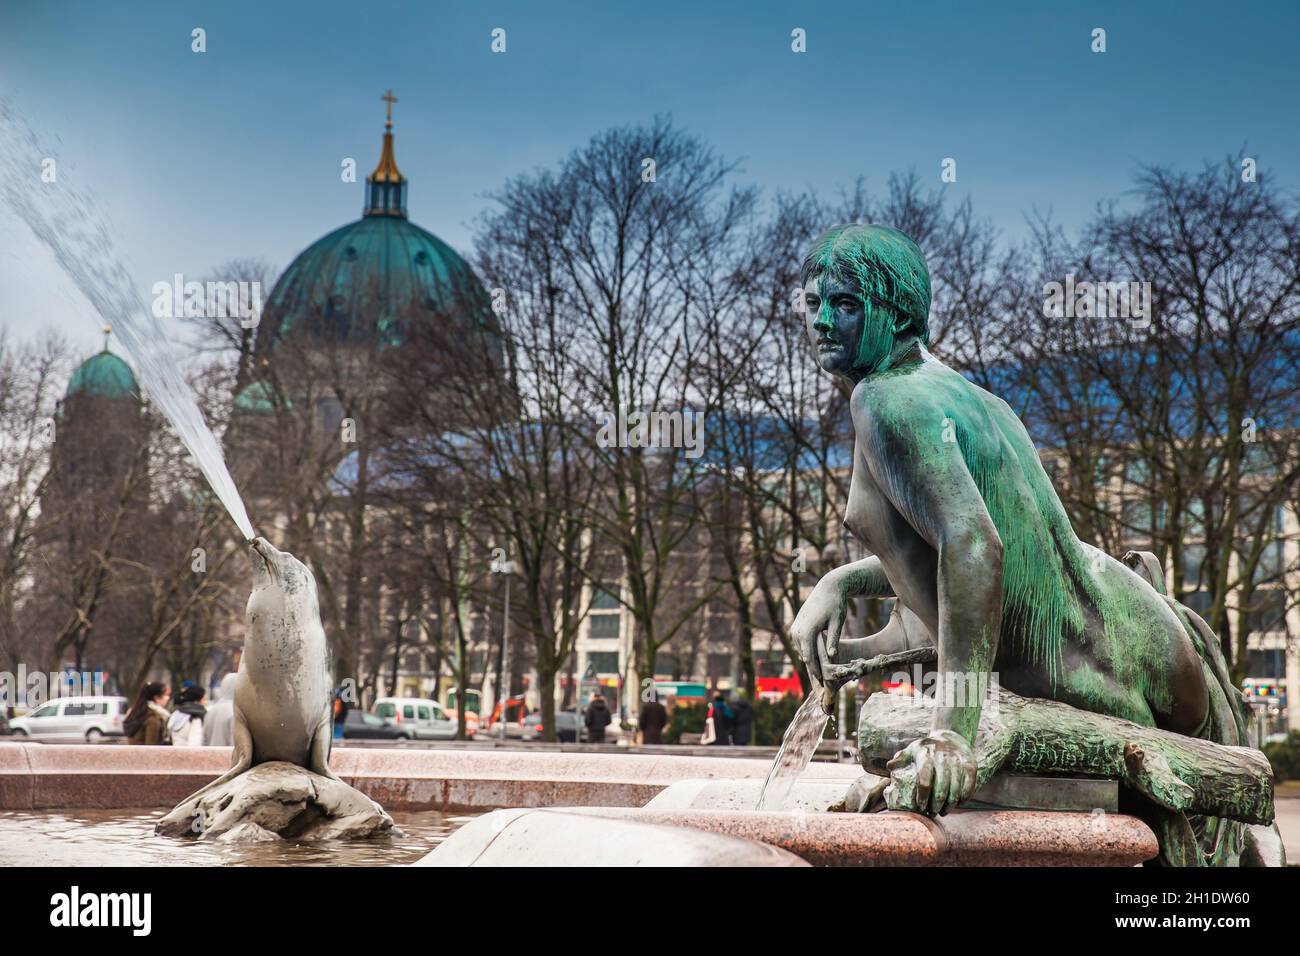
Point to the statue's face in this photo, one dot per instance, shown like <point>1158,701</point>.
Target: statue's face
<point>834,312</point>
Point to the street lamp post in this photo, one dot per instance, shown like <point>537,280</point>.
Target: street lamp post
<point>508,569</point>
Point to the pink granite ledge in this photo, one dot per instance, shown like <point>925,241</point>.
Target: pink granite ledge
<point>48,776</point>
<point>962,838</point>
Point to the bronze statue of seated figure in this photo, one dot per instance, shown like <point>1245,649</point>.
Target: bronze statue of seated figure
<point>965,530</point>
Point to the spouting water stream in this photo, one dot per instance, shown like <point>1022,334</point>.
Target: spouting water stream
<point>67,220</point>
<point>797,749</point>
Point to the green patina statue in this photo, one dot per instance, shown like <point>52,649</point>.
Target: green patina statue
<point>949,497</point>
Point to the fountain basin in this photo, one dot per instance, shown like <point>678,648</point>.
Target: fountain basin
<point>674,802</point>
<point>84,776</point>
<point>961,838</point>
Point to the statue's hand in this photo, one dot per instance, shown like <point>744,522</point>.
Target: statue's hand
<point>826,609</point>
<point>931,775</point>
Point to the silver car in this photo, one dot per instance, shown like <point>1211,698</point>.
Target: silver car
<point>420,717</point>
<point>73,720</point>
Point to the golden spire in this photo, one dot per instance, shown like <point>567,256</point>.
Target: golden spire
<point>387,171</point>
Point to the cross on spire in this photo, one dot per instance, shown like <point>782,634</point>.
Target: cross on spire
<point>390,99</point>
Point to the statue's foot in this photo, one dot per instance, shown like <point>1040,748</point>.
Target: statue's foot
<point>865,795</point>
<point>1263,846</point>
<point>931,775</point>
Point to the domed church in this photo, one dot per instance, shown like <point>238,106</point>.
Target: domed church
<point>365,282</point>
<point>100,423</point>
<point>365,318</point>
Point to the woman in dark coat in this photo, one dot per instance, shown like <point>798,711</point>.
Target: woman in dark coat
<point>146,721</point>
<point>598,718</point>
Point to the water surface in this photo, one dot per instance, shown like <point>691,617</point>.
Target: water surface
<point>126,838</point>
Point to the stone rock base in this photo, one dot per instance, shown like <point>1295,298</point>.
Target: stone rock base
<point>277,800</point>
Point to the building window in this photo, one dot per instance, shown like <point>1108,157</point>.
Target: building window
<point>604,597</point>
<point>1267,611</point>
<point>603,662</point>
<point>605,625</point>
<point>666,666</point>
<point>1272,563</point>
<point>1266,663</point>
<point>769,663</point>
<point>719,667</point>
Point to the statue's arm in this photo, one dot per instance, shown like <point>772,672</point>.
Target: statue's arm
<point>927,480</point>
<point>865,578</point>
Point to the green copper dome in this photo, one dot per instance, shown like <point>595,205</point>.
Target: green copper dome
<point>362,283</point>
<point>103,376</point>
<point>365,279</point>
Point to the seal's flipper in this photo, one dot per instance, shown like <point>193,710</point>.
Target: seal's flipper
<point>318,753</point>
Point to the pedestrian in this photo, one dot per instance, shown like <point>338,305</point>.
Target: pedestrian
<point>598,718</point>
<point>651,721</point>
<point>722,720</point>
<point>341,708</point>
<point>743,731</point>
<point>146,721</point>
<point>186,723</point>
<point>220,718</point>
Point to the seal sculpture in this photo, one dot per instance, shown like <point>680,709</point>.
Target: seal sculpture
<point>279,782</point>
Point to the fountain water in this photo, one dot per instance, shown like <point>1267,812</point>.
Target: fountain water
<point>797,748</point>
<point>66,219</point>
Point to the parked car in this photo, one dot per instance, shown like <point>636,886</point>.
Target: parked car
<point>362,726</point>
<point>566,727</point>
<point>424,719</point>
<point>73,719</point>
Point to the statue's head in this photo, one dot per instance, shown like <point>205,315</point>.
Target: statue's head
<point>281,571</point>
<point>866,288</point>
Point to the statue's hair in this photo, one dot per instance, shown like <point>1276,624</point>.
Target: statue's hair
<point>888,266</point>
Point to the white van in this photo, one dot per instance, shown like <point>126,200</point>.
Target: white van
<point>425,719</point>
<point>73,720</point>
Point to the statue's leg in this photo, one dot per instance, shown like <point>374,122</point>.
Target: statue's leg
<point>1218,841</point>
<point>866,793</point>
<point>1263,846</point>
<point>896,635</point>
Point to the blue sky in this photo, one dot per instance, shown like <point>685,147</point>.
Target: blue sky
<point>200,158</point>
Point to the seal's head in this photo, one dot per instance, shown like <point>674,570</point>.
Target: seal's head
<point>280,569</point>
<point>866,288</point>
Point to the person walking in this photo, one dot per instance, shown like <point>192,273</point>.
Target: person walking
<point>651,721</point>
<point>598,718</point>
<point>220,718</point>
<point>341,708</point>
<point>723,719</point>
<point>186,723</point>
<point>146,721</point>
<point>743,732</point>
